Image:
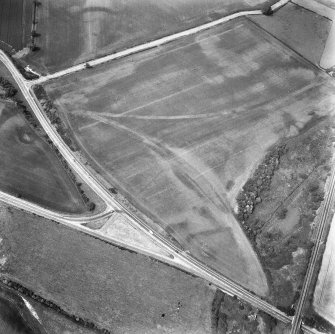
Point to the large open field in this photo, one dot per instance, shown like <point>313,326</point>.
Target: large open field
<point>29,168</point>
<point>180,129</point>
<point>73,31</point>
<point>324,295</point>
<point>15,23</point>
<point>116,289</point>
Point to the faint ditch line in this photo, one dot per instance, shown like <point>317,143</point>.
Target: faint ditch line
<point>289,196</point>
<point>161,99</point>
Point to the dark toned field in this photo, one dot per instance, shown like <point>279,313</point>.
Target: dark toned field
<point>299,28</point>
<point>29,168</point>
<point>122,291</point>
<point>15,23</point>
<point>73,31</point>
<point>181,128</point>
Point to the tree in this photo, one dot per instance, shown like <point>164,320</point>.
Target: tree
<point>35,34</point>
<point>267,11</point>
<point>282,213</point>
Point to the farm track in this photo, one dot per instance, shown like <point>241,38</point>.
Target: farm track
<point>153,44</point>
<point>187,261</point>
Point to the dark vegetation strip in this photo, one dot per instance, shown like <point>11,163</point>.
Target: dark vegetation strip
<point>266,243</point>
<point>53,115</point>
<point>253,189</point>
<point>10,92</point>
<point>27,292</point>
<point>34,34</point>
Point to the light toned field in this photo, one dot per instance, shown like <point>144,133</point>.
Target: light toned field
<point>29,167</point>
<point>324,294</point>
<point>116,289</point>
<point>74,31</point>
<point>302,30</point>
<point>180,129</point>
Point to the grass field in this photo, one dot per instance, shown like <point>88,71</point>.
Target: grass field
<point>180,129</point>
<point>15,22</point>
<point>29,168</point>
<point>122,291</point>
<point>73,31</point>
<point>299,28</point>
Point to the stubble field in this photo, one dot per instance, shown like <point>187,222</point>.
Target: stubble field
<point>78,30</point>
<point>15,23</point>
<point>180,129</point>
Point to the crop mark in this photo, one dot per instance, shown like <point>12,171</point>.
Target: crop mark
<point>162,99</point>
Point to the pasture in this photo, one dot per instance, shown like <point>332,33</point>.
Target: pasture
<point>30,169</point>
<point>73,31</point>
<point>15,23</point>
<point>179,130</point>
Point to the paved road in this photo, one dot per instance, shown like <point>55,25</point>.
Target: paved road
<point>328,203</point>
<point>53,215</point>
<point>181,259</point>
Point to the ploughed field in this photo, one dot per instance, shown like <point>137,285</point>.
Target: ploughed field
<point>73,31</point>
<point>28,167</point>
<point>179,130</point>
<point>15,23</point>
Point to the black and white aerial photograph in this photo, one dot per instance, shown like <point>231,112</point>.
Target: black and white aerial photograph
<point>167,167</point>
